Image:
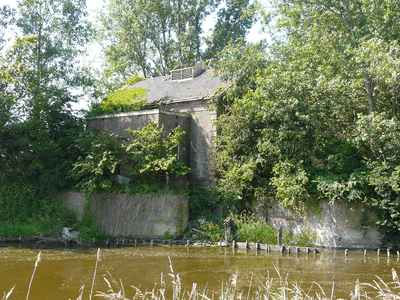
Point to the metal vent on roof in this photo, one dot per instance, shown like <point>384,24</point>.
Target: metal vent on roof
<point>186,73</point>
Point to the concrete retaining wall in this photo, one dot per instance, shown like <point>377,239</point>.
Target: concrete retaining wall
<point>332,224</point>
<point>135,216</point>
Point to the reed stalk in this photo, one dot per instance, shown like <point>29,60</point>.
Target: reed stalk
<point>95,271</point>
<point>5,297</point>
<point>33,275</point>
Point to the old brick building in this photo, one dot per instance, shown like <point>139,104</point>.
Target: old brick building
<point>179,99</point>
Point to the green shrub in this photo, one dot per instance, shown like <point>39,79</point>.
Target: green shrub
<point>213,231</point>
<point>247,229</point>
<point>100,161</point>
<point>201,201</point>
<point>88,229</point>
<point>304,239</point>
<point>27,229</point>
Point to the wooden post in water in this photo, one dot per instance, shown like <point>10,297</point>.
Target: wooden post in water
<point>204,243</point>
<point>280,236</point>
<point>108,243</point>
<point>398,253</point>
<point>233,244</point>
<point>378,252</point>
<point>227,227</point>
<point>388,252</point>
<point>170,242</point>
<point>151,242</point>
<point>346,252</point>
<point>188,243</point>
<point>365,252</point>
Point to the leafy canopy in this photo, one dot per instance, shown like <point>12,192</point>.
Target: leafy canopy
<point>314,116</point>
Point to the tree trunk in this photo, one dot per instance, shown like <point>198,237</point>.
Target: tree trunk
<point>371,92</point>
<point>394,97</point>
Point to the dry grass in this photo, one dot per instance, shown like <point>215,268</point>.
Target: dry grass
<point>268,290</point>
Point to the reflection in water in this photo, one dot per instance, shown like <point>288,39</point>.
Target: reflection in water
<point>61,273</point>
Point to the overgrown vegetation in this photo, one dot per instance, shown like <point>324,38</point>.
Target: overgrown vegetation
<point>150,158</point>
<point>124,100</point>
<point>315,115</point>
<point>246,228</point>
<point>255,231</point>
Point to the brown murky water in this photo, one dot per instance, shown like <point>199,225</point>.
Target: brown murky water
<point>61,273</point>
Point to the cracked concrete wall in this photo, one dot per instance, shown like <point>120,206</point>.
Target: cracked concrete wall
<point>134,216</point>
<point>333,224</point>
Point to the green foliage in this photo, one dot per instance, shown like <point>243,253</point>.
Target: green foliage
<point>214,231</point>
<point>174,37</point>
<point>150,152</point>
<point>201,202</point>
<point>167,236</point>
<point>232,25</point>
<point>26,229</point>
<point>244,228</point>
<point>124,100</point>
<point>7,18</point>
<point>315,115</point>
<point>100,161</point>
<point>290,184</point>
<point>303,239</point>
<point>39,79</point>
<point>88,229</point>
<point>247,229</point>
<point>25,211</point>
<point>150,155</point>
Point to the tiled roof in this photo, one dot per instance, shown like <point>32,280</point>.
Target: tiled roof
<point>163,89</point>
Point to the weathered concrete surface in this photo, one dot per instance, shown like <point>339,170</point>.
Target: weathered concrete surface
<point>194,117</point>
<point>136,216</point>
<point>332,224</point>
<point>75,202</point>
<point>119,122</point>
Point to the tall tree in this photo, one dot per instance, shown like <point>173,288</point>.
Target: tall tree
<point>342,30</point>
<point>233,23</point>
<point>40,76</point>
<point>7,18</point>
<point>152,37</point>
<point>61,32</point>
<point>314,116</point>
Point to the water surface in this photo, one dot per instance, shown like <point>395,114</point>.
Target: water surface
<point>62,272</point>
